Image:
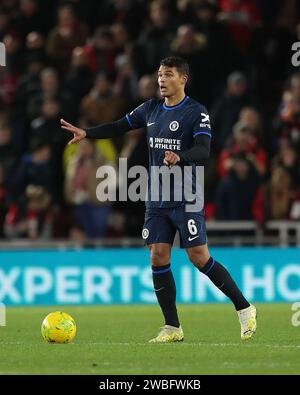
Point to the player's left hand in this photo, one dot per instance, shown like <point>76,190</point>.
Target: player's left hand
<point>171,158</point>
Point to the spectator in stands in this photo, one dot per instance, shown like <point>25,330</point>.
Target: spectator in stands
<point>5,22</point>
<point>192,46</point>
<point>288,159</point>
<point>68,34</point>
<point>80,189</point>
<point>279,194</point>
<point>29,86</point>
<point>129,13</point>
<point>270,58</point>
<point>226,110</point>
<point>295,85</point>
<point>251,117</point>
<point>154,41</point>
<point>15,63</point>
<point>10,5</point>
<point>34,168</point>
<point>120,38</point>
<point>222,55</point>
<point>79,80</point>
<point>14,53</point>
<point>3,199</point>
<point>279,197</point>
<point>8,152</point>
<point>35,46</point>
<point>32,218</point>
<point>287,122</point>
<point>188,42</point>
<point>50,87</point>
<point>241,16</point>
<point>126,82</point>
<point>30,18</point>
<point>236,192</point>
<point>244,141</point>
<point>45,126</point>
<point>101,104</point>
<point>101,52</point>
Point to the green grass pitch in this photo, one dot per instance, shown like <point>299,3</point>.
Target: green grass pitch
<point>113,340</point>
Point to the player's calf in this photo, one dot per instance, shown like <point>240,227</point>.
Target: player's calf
<point>219,275</point>
<point>222,279</point>
<point>164,284</point>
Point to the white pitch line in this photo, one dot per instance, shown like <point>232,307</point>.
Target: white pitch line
<point>181,344</point>
<point>208,345</point>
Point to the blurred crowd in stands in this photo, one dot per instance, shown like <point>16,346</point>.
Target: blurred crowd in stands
<point>91,61</point>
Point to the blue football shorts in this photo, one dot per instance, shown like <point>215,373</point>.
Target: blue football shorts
<point>161,224</point>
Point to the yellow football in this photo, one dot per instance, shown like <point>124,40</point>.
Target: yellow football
<point>58,327</point>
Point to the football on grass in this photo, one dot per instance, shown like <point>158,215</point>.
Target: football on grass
<point>58,327</point>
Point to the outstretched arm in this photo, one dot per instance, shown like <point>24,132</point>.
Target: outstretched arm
<point>105,131</point>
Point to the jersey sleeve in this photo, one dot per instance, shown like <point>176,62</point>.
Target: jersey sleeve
<point>137,117</point>
<point>201,122</point>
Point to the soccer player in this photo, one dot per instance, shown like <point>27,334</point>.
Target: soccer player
<point>178,134</point>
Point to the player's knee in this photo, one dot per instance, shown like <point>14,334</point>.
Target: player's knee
<point>159,257</point>
<point>198,259</point>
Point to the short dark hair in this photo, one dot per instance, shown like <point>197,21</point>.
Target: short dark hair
<point>175,61</point>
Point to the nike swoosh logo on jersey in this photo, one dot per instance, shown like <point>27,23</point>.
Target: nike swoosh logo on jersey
<point>159,289</point>
<point>192,238</point>
<point>150,123</point>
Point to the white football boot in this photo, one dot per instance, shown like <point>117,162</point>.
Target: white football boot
<point>247,318</point>
<point>169,334</point>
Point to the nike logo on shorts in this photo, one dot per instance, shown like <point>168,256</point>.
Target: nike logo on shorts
<point>150,123</point>
<point>192,238</point>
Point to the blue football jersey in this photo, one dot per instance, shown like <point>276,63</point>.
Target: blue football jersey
<point>170,128</point>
